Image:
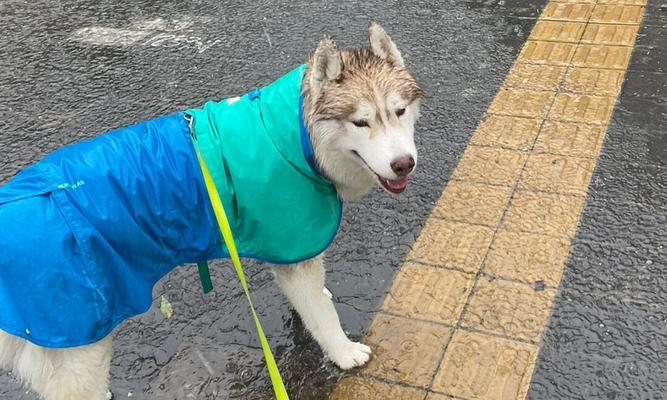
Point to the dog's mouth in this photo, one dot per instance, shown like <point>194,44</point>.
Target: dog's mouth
<point>395,186</point>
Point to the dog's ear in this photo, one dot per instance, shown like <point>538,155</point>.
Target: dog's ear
<point>382,45</point>
<point>327,64</point>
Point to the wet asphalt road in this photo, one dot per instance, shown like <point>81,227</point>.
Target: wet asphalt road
<point>56,87</point>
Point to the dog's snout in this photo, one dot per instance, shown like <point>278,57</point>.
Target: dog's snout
<point>403,165</point>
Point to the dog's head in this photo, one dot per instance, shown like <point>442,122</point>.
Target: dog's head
<point>361,106</point>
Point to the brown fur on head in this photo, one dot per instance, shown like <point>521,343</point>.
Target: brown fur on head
<point>344,73</point>
<point>360,107</point>
<point>361,68</point>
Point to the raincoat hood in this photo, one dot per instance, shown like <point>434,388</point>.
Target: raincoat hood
<point>280,208</point>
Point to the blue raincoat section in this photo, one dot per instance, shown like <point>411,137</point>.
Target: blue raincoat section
<point>87,232</point>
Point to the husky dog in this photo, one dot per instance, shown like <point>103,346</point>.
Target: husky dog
<point>357,109</point>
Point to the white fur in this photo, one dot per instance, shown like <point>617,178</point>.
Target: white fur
<point>303,285</point>
<point>391,138</point>
<point>355,158</point>
<point>383,46</point>
<point>81,373</point>
<point>326,65</point>
<point>78,373</point>
<point>351,178</point>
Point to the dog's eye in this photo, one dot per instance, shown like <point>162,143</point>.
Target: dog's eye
<point>400,112</point>
<point>361,123</point>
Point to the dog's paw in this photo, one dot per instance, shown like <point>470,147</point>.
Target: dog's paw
<point>327,293</point>
<point>350,355</point>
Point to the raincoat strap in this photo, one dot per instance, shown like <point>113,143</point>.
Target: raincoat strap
<point>226,231</point>
<point>205,277</point>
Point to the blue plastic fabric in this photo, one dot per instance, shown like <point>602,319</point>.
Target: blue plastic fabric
<point>87,232</point>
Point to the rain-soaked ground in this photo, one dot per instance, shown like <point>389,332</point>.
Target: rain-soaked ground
<point>72,69</point>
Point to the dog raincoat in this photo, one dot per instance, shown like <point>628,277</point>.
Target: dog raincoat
<point>87,232</point>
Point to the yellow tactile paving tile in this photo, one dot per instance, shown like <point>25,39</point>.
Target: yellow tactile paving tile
<point>551,53</point>
<point>570,139</point>
<point>490,165</point>
<point>600,82</point>
<point>575,1</point>
<point>582,108</point>
<point>481,279</point>
<point>517,133</point>
<point>626,2</point>
<point>617,14</point>
<point>452,244</point>
<point>535,77</point>
<point>615,35</point>
<point>430,293</point>
<point>557,31</point>
<point>521,102</point>
<point>602,56</point>
<point>527,257</point>
<point>576,12</point>
<point>359,388</point>
<point>557,173</point>
<point>436,396</point>
<point>509,309</point>
<point>405,350</point>
<point>484,367</point>
<point>473,203</point>
<point>544,213</point>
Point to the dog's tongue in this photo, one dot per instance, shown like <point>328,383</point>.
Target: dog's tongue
<point>399,184</point>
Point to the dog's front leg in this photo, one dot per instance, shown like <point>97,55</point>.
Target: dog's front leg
<point>303,284</point>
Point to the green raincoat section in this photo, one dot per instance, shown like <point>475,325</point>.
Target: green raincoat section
<point>280,209</point>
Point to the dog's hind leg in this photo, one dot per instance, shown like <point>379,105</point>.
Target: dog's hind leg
<point>77,373</point>
<point>303,284</point>
<point>9,345</point>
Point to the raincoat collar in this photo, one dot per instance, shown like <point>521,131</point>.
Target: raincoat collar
<point>306,143</point>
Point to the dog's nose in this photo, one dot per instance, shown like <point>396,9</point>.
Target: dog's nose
<point>403,165</point>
